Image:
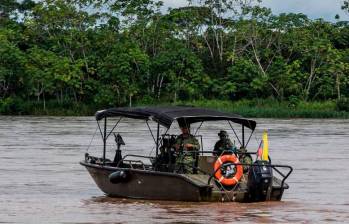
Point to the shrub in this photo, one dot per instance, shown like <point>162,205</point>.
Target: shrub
<point>343,104</point>
<point>5,105</point>
<point>13,106</point>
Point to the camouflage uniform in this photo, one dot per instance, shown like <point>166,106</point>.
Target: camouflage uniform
<point>184,160</point>
<point>223,145</point>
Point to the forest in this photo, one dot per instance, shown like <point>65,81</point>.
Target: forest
<point>82,55</point>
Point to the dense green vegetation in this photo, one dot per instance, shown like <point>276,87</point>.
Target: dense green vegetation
<point>74,56</point>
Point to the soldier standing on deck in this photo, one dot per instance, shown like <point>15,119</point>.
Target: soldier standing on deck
<point>186,145</point>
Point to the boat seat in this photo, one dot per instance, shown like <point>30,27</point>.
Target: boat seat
<point>206,163</point>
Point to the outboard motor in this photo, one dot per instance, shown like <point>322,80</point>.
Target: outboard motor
<point>260,181</point>
<point>119,141</point>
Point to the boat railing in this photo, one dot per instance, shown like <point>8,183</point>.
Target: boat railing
<point>133,163</point>
<point>274,167</point>
<point>237,152</point>
<point>140,164</point>
<point>96,160</point>
<point>284,176</point>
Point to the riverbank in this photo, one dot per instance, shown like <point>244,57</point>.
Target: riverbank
<point>274,109</point>
<point>258,108</point>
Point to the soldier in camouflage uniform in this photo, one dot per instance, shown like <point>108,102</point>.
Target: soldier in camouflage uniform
<point>186,145</point>
<point>224,144</point>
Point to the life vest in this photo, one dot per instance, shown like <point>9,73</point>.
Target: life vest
<point>228,181</point>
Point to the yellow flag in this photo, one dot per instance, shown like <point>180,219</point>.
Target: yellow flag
<point>265,146</point>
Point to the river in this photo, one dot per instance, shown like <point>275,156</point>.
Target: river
<point>41,180</point>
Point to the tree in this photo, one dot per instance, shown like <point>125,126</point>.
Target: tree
<point>138,19</point>
<point>7,8</point>
<point>179,71</point>
<point>345,6</point>
<point>222,13</point>
<point>336,69</point>
<point>11,9</point>
<point>48,73</point>
<point>60,26</point>
<point>39,72</point>
<point>313,45</point>
<point>125,70</point>
<point>11,66</point>
<point>243,74</point>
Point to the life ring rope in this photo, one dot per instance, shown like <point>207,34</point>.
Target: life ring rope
<point>225,180</point>
<point>220,161</point>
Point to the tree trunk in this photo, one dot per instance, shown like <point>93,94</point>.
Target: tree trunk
<point>258,60</point>
<point>61,95</point>
<point>338,86</point>
<point>38,93</point>
<point>311,78</point>
<point>160,86</point>
<point>209,46</point>
<point>75,96</point>
<point>43,96</point>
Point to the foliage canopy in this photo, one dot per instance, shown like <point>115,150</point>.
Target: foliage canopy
<point>115,53</point>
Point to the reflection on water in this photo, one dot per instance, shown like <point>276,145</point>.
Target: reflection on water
<point>42,182</point>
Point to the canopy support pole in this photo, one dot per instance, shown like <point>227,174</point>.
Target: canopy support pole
<point>231,126</point>
<point>198,128</point>
<point>100,130</point>
<point>248,141</point>
<point>157,139</point>
<point>114,127</point>
<point>243,136</point>
<point>104,139</point>
<point>151,132</point>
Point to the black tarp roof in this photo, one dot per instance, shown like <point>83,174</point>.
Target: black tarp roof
<point>166,115</point>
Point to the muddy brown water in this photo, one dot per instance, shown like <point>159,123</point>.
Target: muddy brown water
<point>41,180</point>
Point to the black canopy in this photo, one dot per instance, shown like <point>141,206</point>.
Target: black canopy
<point>166,115</point>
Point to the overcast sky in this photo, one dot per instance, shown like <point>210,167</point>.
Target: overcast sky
<point>326,9</point>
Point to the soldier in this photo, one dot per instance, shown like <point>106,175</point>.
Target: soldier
<point>186,145</point>
<point>223,144</point>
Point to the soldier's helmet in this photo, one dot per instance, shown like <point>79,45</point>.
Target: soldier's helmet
<point>183,123</point>
<point>223,134</point>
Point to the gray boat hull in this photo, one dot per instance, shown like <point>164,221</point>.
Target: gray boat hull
<point>154,185</point>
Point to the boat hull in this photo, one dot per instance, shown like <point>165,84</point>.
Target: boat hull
<point>147,184</point>
<point>153,185</point>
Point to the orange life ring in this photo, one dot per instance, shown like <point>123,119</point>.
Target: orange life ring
<point>224,180</point>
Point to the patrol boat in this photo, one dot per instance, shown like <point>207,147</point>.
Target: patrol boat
<point>234,175</point>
